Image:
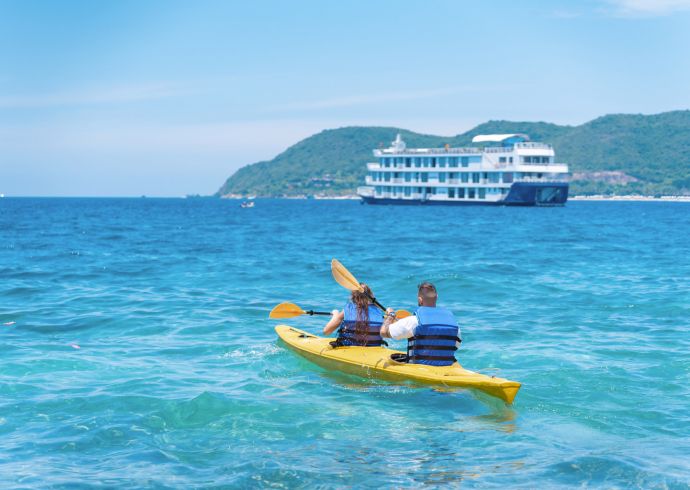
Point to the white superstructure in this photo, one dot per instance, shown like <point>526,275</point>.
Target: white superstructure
<point>513,170</point>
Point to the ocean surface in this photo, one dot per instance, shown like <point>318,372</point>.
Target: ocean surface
<point>136,349</point>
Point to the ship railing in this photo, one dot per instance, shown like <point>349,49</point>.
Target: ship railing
<point>463,150</point>
<point>498,149</point>
<point>533,145</point>
<point>541,179</point>
<point>429,151</point>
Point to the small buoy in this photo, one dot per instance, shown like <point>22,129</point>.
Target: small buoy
<point>9,323</point>
<point>75,346</point>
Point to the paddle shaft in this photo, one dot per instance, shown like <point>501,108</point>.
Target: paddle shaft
<point>312,312</point>
<point>375,301</point>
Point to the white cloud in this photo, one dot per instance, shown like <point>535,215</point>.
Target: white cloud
<point>648,7</point>
<point>102,95</point>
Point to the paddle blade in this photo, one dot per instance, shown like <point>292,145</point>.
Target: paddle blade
<point>400,314</point>
<point>343,277</point>
<point>286,310</point>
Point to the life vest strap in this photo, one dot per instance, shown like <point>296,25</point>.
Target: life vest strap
<point>420,357</point>
<point>433,347</point>
<point>352,333</point>
<point>436,337</point>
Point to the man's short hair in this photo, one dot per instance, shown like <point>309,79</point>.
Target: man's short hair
<point>427,291</point>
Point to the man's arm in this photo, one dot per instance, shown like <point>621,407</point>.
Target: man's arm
<point>388,319</point>
<point>401,329</point>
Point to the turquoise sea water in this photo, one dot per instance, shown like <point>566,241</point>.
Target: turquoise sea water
<point>179,381</point>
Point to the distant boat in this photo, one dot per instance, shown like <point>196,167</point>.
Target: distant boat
<point>2,195</point>
<point>247,204</point>
<point>512,171</point>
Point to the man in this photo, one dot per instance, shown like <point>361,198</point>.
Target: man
<point>432,333</point>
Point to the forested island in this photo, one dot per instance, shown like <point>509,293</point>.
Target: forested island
<point>618,154</point>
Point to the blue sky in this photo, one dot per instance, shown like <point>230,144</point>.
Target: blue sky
<point>165,98</point>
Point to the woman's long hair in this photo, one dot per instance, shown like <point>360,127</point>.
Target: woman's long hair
<point>362,302</point>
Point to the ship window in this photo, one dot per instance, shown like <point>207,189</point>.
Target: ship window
<point>501,159</point>
<point>453,161</point>
<point>442,177</point>
<point>387,177</point>
<point>465,161</point>
<point>482,193</point>
<point>475,178</point>
<point>493,177</point>
<point>451,175</point>
<point>507,177</point>
<point>461,193</point>
<point>417,162</point>
<point>408,192</point>
<point>470,193</point>
<point>433,162</point>
<point>465,177</point>
<point>510,159</point>
<point>425,177</point>
<point>451,192</point>
<point>408,177</point>
<point>430,190</point>
<point>419,190</point>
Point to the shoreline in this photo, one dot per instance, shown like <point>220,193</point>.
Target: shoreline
<point>573,198</point>
<point>630,198</point>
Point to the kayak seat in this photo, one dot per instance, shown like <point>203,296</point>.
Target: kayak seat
<point>399,357</point>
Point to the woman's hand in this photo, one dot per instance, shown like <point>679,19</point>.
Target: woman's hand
<point>334,322</point>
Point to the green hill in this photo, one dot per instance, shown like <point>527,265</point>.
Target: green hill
<point>615,154</point>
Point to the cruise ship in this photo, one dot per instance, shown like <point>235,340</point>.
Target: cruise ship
<point>504,169</point>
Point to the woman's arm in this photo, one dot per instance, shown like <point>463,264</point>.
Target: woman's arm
<point>334,322</point>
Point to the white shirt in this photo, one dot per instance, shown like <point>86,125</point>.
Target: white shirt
<point>405,327</point>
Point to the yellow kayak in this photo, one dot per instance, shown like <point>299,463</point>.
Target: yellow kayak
<point>377,362</point>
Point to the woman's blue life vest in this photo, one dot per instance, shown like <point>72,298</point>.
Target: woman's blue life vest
<point>434,341</point>
<point>347,335</point>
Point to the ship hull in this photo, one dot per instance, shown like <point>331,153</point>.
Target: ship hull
<point>520,194</point>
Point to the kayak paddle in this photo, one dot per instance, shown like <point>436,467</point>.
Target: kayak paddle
<point>345,278</point>
<point>291,310</point>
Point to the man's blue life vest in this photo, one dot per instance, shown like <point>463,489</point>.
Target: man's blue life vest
<point>347,335</point>
<point>434,341</point>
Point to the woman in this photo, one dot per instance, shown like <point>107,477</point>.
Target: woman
<point>360,321</point>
